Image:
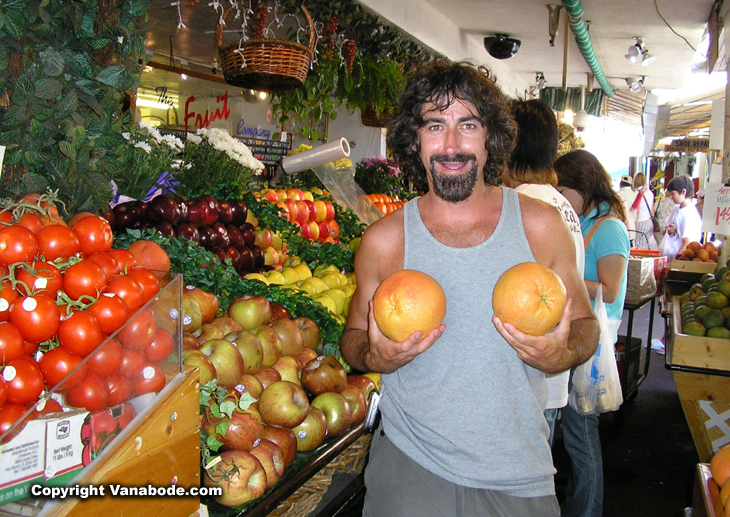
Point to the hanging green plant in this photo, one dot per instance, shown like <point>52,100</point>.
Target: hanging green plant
<point>376,84</point>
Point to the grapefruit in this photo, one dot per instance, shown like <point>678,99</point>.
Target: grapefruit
<point>531,297</point>
<point>408,301</point>
<point>720,465</point>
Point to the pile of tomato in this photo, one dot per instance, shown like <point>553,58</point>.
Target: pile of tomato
<point>63,291</point>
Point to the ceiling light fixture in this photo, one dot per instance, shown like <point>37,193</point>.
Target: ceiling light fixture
<point>501,46</point>
<point>646,58</point>
<point>637,52</point>
<point>582,119</point>
<point>540,81</point>
<point>636,84</point>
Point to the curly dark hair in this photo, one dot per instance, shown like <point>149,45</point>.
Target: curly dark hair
<point>442,83</point>
<point>581,171</point>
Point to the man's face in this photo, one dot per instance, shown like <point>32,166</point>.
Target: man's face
<point>453,149</point>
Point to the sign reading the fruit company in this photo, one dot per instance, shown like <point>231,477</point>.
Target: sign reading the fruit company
<point>688,145</point>
<point>716,209</point>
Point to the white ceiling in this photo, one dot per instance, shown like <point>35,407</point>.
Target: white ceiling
<point>456,29</point>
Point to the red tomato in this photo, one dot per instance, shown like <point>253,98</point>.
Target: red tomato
<point>151,380</point>
<point>37,317</point>
<point>9,414</point>
<point>94,234</point>
<point>139,331</point>
<point>57,241</point>
<point>107,263</point>
<point>59,362</point>
<point>6,217</point>
<point>128,289</point>
<point>120,389</point>
<point>133,362</point>
<point>85,278</point>
<point>24,380</point>
<point>3,393</point>
<point>46,406</point>
<point>92,393</point>
<point>12,344</point>
<point>80,333</point>
<point>147,280</point>
<point>32,221</point>
<point>161,346</point>
<point>110,311</point>
<point>124,258</point>
<point>7,295</point>
<point>106,361</point>
<point>30,347</point>
<point>40,277</point>
<point>17,244</point>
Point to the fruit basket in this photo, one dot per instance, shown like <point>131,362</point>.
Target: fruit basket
<point>265,63</point>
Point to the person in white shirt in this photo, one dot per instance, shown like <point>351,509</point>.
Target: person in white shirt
<point>530,172</point>
<point>643,206</point>
<point>684,224</point>
<point>628,196</point>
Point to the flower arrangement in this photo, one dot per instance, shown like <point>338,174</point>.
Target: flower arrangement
<point>379,175</point>
<point>148,155</point>
<point>213,157</point>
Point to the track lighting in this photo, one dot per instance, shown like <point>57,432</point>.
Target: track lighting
<point>637,52</point>
<point>540,81</point>
<point>636,84</point>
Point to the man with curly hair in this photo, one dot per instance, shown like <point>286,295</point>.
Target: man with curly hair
<point>463,431</point>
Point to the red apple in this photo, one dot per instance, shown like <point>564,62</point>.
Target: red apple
<point>321,211</point>
<point>291,205</point>
<point>226,324</point>
<point>206,369</point>
<point>302,212</point>
<point>227,360</point>
<point>250,311</point>
<point>280,194</point>
<point>310,331</point>
<point>208,331</point>
<point>313,230</point>
<point>239,474</point>
<point>322,374</point>
<point>283,209</point>
<point>358,403</point>
<point>242,432</point>
<point>270,343</point>
<point>262,237</point>
<point>189,341</point>
<point>249,384</point>
<point>270,195</point>
<point>284,438</point>
<point>337,411</point>
<point>268,375</point>
<point>283,403</point>
<point>306,355</point>
<point>305,230</point>
<point>324,230</point>
<point>290,336</point>
<point>312,430</point>
<point>278,311</point>
<point>366,384</point>
<point>288,367</point>
<point>272,459</point>
<point>334,229</point>
<point>250,348</point>
<point>271,256</point>
<point>330,209</point>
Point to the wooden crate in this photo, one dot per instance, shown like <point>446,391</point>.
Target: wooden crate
<point>706,497</point>
<point>697,351</point>
<point>161,447</point>
<point>687,266</point>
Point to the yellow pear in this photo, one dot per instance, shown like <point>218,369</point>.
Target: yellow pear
<point>257,276</point>
<point>303,271</point>
<point>327,302</point>
<point>290,275</point>
<point>339,297</point>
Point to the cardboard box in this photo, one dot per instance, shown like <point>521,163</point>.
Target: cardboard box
<point>22,461</point>
<point>64,446</point>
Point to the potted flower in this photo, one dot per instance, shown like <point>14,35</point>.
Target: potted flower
<point>379,175</point>
<point>374,87</point>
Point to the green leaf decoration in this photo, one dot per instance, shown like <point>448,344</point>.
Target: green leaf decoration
<point>52,62</point>
<point>48,88</point>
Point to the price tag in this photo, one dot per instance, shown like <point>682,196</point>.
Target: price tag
<point>716,209</point>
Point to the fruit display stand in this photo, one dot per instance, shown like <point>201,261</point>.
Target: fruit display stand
<point>701,369</point>
<point>706,496</point>
<point>305,483</point>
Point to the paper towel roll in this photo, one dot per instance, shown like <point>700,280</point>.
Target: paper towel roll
<point>317,156</point>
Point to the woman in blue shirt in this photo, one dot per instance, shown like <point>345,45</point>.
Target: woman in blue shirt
<point>587,186</point>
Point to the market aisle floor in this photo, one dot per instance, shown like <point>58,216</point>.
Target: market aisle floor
<point>648,454</point>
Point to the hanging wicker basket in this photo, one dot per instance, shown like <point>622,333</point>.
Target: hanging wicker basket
<point>265,63</point>
<point>370,118</point>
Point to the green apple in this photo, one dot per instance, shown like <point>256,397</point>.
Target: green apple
<point>307,287</point>
<point>292,261</point>
<point>323,268</point>
<point>303,271</point>
<point>276,277</point>
<point>257,276</point>
<point>349,289</point>
<point>317,284</point>
<point>332,279</point>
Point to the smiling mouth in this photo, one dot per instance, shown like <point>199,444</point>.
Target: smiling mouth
<point>456,163</point>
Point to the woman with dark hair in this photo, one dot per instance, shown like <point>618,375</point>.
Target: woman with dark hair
<point>586,184</point>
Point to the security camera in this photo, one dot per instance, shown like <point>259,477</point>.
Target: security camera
<point>581,120</point>
<point>501,46</point>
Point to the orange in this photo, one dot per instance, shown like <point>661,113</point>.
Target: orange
<point>694,246</point>
<point>720,466</point>
<point>406,302</point>
<point>531,297</point>
<point>725,494</point>
<point>150,255</point>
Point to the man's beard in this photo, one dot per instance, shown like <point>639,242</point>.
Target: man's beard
<point>450,187</point>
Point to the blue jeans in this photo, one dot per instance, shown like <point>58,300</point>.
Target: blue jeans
<point>584,490</point>
<point>551,415</point>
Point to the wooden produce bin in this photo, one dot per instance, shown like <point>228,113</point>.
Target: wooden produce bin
<point>160,448</point>
<point>701,369</point>
<point>706,497</point>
